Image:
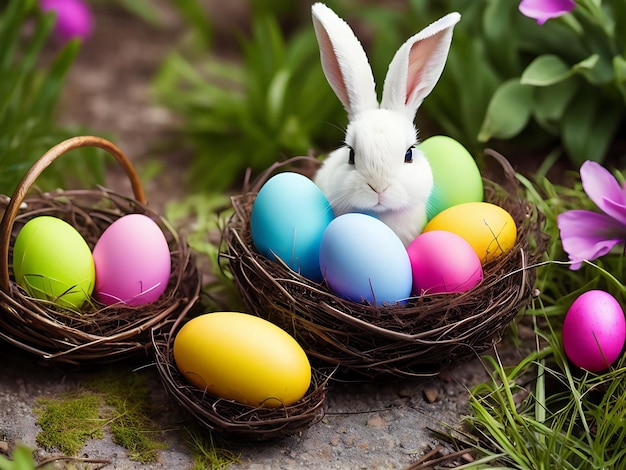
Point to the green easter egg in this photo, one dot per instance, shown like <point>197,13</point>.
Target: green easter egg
<point>456,176</point>
<point>53,262</point>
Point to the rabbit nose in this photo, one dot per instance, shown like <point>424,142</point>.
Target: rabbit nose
<point>376,190</point>
<point>379,193</point>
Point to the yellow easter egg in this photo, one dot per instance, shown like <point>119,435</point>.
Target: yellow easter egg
<point>244,358</point>
<point>488,228</point>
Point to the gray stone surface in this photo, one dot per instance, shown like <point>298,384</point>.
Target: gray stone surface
<point>381,424</point>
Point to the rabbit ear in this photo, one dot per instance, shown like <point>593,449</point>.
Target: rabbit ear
<point>417,66</point>
<point>344,61</point>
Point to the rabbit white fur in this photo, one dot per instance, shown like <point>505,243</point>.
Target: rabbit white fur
<point>379,171</point>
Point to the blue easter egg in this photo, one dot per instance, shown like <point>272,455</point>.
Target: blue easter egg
<point>362,259</point>
<point>288,218</point>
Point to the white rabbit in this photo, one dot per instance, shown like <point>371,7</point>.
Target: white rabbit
<point>379,171</point>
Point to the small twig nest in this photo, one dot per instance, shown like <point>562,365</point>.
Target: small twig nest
<point>98,333</point>
<point>424,336</point>
<point>230,419</point>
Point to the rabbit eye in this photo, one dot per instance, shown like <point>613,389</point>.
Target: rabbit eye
<point>408,156</point>
<point>351,157</point>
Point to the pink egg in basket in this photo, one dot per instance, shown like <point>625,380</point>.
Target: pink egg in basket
<point>132,260</point>
<point>443,262</point>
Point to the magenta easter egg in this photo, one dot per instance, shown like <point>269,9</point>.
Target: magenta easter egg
<point>443,262</point>
<point>594,331</point>
<point>132,260</point>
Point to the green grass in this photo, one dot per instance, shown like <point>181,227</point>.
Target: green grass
<point>207,455</point>
<point>567,419</point>
<point>545,413</point>
<point>29,94</point>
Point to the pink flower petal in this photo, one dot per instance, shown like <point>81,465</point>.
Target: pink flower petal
<point>587,235</point>
<point>74,18</point>
<point>604,190</point>
<point>543,10</point>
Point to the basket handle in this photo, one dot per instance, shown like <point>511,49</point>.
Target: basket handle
<point>6,226</point>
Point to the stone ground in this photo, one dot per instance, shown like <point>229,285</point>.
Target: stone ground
<point>367,425</point>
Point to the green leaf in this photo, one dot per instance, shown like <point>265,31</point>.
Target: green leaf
<point>508,112</point>
<point>501,44</point>
<point>51,88</point>
<point>550,103</point>
<point>545,70</point>
<point>589,126</point>
<point>23,458</point>
<point>619,67</point>
<point>460,100</point>
<point>276,96</point>
<point>595,70</point>
<point>11,21</point>
<point>618,10</point>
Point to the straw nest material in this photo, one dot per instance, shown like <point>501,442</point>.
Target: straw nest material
<point>424,336</point>
<point>97,333</point>
<point>230,419</point>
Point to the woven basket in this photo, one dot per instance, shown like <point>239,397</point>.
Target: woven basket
<point>228,418</point>
<point>99,333</point>
<point>423,337</point>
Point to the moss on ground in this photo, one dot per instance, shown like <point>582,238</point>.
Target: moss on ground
<point>114,400</point>
<point>67,423</point>
<point>118,401</point>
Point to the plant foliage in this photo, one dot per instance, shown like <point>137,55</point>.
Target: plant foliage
<point>271,104</point>
<point>29,92</point>
<point>508,79</point>
<point>572,81</point>
<point>544,412</point>
<point>22,460</point>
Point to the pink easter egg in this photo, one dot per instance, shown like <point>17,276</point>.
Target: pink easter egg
<point>443,262</point>
<point>594,331</point>
<point>132,260</point>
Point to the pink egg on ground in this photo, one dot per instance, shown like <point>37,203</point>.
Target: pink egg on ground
<point>443,262</point>
<point>132,260</point>
<point>594,331</point>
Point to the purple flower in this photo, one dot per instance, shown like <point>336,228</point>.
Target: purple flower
<point>543,10</point>
<point>588,235</point>
<point>74,18</point>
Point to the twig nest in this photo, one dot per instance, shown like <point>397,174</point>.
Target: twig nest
<point>420,336</point>
<point>92,331</point>
<point>230,418</point>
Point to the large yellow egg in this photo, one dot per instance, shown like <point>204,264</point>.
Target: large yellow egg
<point>241,357</point>
<point>488,228</point>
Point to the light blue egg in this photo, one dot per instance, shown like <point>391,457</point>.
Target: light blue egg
<point>288,219</point>
<point>361,258</point>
